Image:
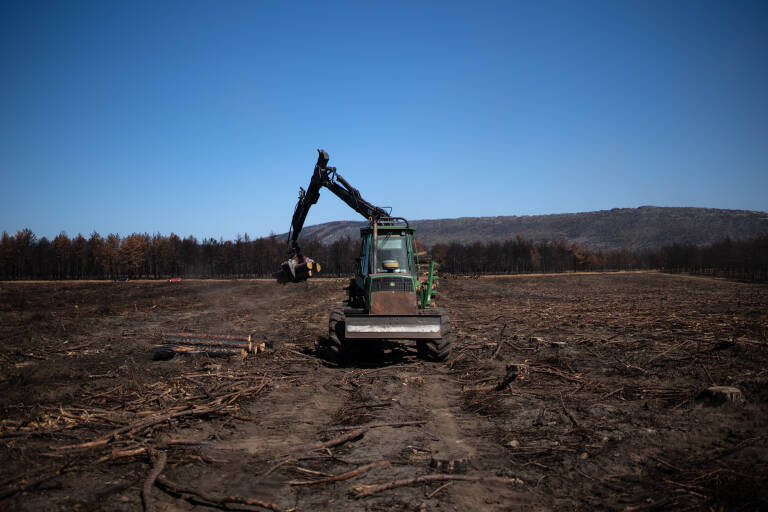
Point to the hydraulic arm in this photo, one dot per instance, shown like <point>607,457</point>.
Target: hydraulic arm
<point>325,176</point>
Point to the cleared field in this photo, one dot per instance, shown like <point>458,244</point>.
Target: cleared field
<point>564,392</point>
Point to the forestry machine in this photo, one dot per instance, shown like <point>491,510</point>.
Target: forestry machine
<point>386,300</point>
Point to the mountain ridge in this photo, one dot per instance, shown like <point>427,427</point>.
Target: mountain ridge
<point>618,228</point>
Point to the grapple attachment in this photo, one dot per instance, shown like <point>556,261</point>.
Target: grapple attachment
<point>296,270</point>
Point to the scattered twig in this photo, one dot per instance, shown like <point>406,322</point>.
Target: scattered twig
<point>363,491</point>
<point>349,436</point>
<point>119,454</point>
<point>608,395</point>
<point>433,493</point>
<point>344,476</point>
<point>377,425</point>
<point>141,425</point>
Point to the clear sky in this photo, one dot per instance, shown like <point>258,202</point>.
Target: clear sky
<point>203,117</point>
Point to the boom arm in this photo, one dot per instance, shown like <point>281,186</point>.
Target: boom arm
<point>327,177</point>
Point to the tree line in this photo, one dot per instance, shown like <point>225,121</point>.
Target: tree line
<point>140,255</point>
<point>742,259</point>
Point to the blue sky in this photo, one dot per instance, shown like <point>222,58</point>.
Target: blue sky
<point>203,117</point>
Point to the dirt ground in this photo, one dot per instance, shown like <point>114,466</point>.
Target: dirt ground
<point>566,392</point>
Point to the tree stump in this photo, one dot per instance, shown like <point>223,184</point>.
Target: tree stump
<point>721,395</point>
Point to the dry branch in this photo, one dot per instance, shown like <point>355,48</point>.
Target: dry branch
<point>141,425</point>
<point>433,493</point>
<point>363,491</point>
<point>119,454</point>
<point>344,476</point>
<point>349,436</point>
<point>202,498</point>
<point>394,424</point>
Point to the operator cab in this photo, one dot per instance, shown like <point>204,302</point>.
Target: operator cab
<point>392,253</point>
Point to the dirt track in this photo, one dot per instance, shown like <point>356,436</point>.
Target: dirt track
<point>610,419</point>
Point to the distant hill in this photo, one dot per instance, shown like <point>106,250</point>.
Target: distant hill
<point>632,228</point>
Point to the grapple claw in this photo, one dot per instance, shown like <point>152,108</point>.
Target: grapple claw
<point>296,270</point>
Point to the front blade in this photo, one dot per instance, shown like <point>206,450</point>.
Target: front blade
<point>416,327</point>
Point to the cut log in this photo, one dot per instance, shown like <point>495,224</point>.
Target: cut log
<point>210,344</point>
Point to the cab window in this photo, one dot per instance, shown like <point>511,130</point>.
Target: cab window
<point>392,254</point>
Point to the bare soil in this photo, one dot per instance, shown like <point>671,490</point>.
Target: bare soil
<point>563,392</point>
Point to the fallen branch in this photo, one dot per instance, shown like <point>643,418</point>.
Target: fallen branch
<point>119,454</point>
<point>363,491</point>
<point>349,436</point>
<point>158,466</point>
<point>359,432</point>
<point>433,493</point>
<point>139,426</point>
<point>377,425</point>
<point>343,476</point>
<point>202,498</point>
